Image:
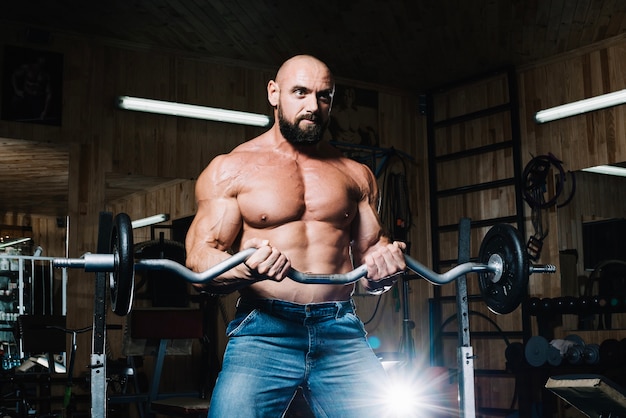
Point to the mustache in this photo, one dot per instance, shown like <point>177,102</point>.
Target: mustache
<point>310,117</point>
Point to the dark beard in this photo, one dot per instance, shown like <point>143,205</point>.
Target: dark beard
<point>294,135</point>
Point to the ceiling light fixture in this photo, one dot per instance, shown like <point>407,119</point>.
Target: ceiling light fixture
<point>14,242</point>
<point>611,170</point>
<point>150,220</point>
<point>581,106</point>
<point>193,111</point>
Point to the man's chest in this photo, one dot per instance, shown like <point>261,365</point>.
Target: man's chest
<point>298,192</point>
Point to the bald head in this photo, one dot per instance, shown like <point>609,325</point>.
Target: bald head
<point>301,63</point>
<point>302,96</point>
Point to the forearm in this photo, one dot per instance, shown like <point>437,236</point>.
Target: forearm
<point>222,286</point>
<point>201,259</point>
<point>385,265</point>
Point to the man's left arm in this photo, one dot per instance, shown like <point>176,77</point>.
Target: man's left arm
<point>371,246</point>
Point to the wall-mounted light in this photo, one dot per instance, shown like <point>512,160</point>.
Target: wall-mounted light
<point>193,111</point>
<point>581,106</point>
<point>610,170</point>
<point>14,242</point>
<point>150,220</point>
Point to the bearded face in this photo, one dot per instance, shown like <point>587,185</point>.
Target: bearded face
<point>296,135</point>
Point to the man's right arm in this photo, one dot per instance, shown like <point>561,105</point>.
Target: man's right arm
<point>215,227</point>
<point>218,225</point>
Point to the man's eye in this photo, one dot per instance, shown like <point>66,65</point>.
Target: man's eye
<point>325,97</point>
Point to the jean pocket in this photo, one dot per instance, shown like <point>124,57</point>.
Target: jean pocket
<point>354,324</point>
<point>241,320</point>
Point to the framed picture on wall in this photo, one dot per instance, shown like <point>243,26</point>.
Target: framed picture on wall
<point>354,116</point>
<point>32,82</point>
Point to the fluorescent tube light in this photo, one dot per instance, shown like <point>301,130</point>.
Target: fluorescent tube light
<point>150,220</point>
<point>193,111</point>
<point>13,242</point>
<point>581,106</point>
<point>611,170</point>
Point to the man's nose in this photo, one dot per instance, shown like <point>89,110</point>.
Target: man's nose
<point>311,104</point>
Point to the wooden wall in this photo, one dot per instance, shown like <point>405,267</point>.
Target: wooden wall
<point>580,141</point>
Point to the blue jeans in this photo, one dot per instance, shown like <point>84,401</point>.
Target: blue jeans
<point>275,347</point>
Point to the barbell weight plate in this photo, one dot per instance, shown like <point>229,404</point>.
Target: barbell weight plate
<point>554,356</point>
<point>504,295</point>
<point>591,354</point>
<point>122,278</point>
<point>536,351</point>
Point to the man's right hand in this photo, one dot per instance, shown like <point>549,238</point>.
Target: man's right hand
<point>267,261</point>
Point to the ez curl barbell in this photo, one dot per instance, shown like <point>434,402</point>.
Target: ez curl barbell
<point>503,268</point>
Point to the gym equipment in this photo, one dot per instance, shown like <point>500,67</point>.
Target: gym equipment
<point>503,268</point>
<point>535,188</point>
<point>536,351</point>
<point>554,356</point>
<point>591,354</point>
<point>575,354</point>
<point>594,395</point>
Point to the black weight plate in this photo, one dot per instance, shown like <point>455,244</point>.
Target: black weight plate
<point>591,354</point>
<point>536,351</point>
<point>554,356</point>
<point>122,279</point>
<point>504,295</point>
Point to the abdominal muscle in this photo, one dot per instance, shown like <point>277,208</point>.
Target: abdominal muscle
<point>316,248</point>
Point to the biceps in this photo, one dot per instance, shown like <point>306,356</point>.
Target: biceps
<point>217,224</point>
<point>367,231</point>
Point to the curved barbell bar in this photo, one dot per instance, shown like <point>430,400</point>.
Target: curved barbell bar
<point>106,263</point>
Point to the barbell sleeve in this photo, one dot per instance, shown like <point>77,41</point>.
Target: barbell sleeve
<point>542,268</point>
<point>91,263</point>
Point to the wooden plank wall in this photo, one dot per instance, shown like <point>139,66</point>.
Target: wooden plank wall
<point>580,141</point>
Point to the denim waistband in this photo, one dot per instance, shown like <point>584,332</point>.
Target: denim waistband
<point>286,309</point>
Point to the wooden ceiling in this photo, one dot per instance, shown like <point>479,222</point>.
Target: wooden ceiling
<point>413,45</point>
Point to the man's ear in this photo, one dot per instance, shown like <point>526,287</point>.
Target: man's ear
<point>272,93</point>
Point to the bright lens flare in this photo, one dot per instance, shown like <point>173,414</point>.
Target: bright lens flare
<point>421,392</point>
<point>404,400</point>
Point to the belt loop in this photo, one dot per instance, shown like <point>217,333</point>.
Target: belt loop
<point>238,302</point>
